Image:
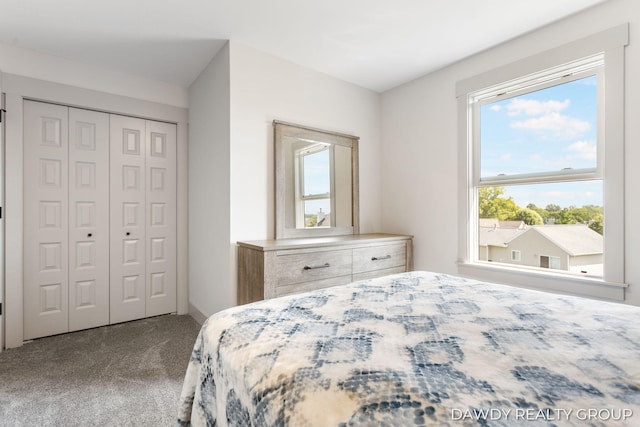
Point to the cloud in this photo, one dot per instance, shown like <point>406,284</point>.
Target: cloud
<point>495,107</point>
<point>531,107</point>
<point>584,149</point>
<point>562,126</point>
<point>505,156</point>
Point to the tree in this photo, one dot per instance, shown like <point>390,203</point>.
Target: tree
<point>544,214</point>
<point>597,224</point>
<point>493,205</point>
<point>529,217</point>
<point>311,220</point>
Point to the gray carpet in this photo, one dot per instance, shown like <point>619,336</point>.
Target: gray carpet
<point>128,374</point>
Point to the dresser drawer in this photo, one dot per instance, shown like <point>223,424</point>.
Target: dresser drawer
<point>379,257</point>
<point>378,273</point>
<point>312,266</point>
<point>310,286</point>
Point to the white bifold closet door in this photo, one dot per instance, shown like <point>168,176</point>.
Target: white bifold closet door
<point>66,233</point>
<point>88,219</point>
<point>46,219</point>
<point>143,218</point>
<point>99,219</point>
<point>161,215</point>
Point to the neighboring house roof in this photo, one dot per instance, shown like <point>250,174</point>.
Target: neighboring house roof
<point>488,222</point>
<point>490,236</point>
<point>493,232</point>
<point>520,225</point>
<point>496,223</point>
<point>574,239</point>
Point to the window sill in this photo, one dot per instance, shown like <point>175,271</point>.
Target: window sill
<point>543,281</point>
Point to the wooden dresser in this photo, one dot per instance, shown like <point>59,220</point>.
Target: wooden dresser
<point>272,268</point>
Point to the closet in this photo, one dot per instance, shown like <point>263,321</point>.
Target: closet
<point>99,219</point>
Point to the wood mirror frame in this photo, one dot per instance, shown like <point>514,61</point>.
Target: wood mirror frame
<point>294,145</point>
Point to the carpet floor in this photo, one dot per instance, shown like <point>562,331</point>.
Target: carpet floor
<point>128,374</point>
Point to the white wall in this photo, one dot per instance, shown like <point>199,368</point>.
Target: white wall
<point>209,136</point>
<point>231,163</point>
<point>264,88</point>
<point>420,141</point>
<point>38,65</point>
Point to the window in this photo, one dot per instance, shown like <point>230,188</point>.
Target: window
<point>314,188</point>
<point>542,172</point>
<point>550,262</point>
<point>538,162</point>
<point>541,131</point>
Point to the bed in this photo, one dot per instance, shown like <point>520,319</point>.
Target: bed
<point>416,348</point>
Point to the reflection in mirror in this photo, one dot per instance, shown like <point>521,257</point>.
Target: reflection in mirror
<point>316,182</point>
<point>313,186</point>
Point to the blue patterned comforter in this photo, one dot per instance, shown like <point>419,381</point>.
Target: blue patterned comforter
<point>416,349</point>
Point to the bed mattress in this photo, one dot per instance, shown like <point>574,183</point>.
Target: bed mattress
<point>416,348</point>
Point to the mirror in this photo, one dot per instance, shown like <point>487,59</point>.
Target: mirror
<point>316,182</point>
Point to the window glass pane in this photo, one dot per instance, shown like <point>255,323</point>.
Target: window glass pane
<point>317,213</point>
<point>541,131</point>
<point>552,225</point>
<point>316,173</point>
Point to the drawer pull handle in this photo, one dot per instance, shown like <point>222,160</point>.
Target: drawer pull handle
<point>375,258</point>
<point>313,267</point>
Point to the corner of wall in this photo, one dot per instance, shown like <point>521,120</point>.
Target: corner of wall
<point>209,186</point>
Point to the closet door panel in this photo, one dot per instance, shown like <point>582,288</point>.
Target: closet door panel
<point>127,208</point>
<point>161,218</point>
<point>46,219</point>
<point>88,219</point>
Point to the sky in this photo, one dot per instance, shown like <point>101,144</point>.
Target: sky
<point>544,131</point>
<point>317,180</point>
<point>317,172</point>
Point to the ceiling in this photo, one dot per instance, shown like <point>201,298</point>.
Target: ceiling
<point>377,44</point>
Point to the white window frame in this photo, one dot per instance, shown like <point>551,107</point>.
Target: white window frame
<point>610,45</point>
<point>516,255</point>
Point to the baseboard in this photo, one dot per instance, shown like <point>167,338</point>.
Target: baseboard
<point>196,314</point>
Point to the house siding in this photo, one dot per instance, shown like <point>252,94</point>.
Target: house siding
<point>533,245</point>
